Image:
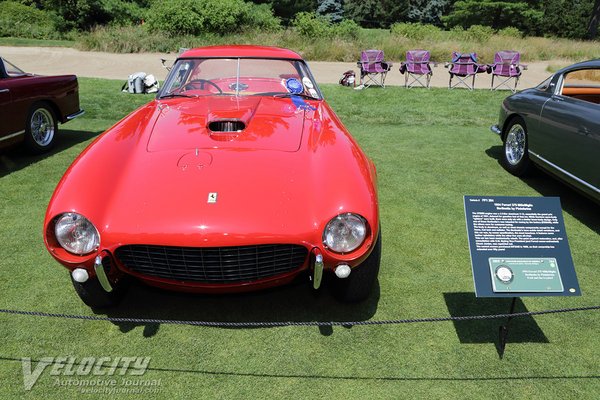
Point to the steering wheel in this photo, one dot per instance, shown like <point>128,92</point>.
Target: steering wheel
<point>191,85</point>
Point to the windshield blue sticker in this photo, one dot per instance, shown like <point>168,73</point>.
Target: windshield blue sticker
<point>294,86</point>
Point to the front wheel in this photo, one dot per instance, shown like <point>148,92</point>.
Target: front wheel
<point>40,129</point>
<point>358,286</point>
<point>515,157</point>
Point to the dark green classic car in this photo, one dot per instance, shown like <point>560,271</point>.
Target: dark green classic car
<point>556,126</point>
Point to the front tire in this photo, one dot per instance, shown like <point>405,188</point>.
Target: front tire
<point>358,286</point>
<point>94,296</point>
<point>515,157</point>
<point>41,128</point>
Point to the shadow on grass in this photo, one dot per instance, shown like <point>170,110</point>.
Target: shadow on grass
<point>573,202</point>
<point>353,377</point>
<point>296,302</point>
<point>17,157</point>
<point>522,329</point>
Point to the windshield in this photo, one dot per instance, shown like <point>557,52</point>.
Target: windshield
<point>239,77</point>
<point>545,84</point>
<point>10,69</point>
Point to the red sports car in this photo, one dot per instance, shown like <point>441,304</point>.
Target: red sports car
<point>31,106</point>
<point>238,176</point>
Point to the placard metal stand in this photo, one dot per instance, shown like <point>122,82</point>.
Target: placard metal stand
<point>519,248</point>
<point>503,329</point>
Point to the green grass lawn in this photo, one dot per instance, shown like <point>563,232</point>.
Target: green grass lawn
<point>13,41</point>
<point>431,148</point>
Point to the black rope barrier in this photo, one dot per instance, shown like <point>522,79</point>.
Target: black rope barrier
<point>253,324</point>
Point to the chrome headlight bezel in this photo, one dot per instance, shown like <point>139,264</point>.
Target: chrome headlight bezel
<point>76,234</point>
<point>345,233</point>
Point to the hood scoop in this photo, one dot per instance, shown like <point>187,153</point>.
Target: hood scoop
<point>227,126</point>
<point>225,130</point>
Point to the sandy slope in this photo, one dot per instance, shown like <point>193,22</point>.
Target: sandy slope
<point>57,60</point>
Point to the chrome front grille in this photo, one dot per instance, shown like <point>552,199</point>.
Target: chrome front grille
<point>212,264</point>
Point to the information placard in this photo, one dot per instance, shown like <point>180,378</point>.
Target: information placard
<point>519,247</point>
<point>514,275</point>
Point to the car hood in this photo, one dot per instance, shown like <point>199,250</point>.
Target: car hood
<point>260,123</point>
<point>211,196</point>
<point>212,193</point>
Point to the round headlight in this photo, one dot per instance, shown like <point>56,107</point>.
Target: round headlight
<point>345,233</point>
<point>76,234</point>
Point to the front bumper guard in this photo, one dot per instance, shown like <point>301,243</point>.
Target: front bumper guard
<point>101,274</point>
<point>496,129</point>
<point>318,266</point>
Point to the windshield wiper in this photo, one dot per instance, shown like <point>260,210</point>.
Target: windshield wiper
<point>171,95</point>
<point>304,96</point>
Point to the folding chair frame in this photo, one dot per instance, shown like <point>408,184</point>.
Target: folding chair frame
<point>505,82</point>
<point>462,81</point>
<point>416,79</point>
<point>373,78</point>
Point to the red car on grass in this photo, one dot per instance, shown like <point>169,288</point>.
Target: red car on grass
<point>31,106</point>
<point>237,177</point>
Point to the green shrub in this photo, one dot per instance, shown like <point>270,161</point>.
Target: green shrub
<point>195,17</point>
<point>127,39</point>
<point>316,26</point>
<point>76,14</point>
<point>19,20</point>
<point>312,25</point>
<point>416,31</point>
<point>479,33</point>
<point>510,31</point>
<point>260,17</point>
<point>178,17</point>
<point>122,12</point>
<point>346,29</point>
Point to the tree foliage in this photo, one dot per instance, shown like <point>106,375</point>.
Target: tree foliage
<point>331,9</point>
<point>567,18</point>
<point>315,26</point>
<point>576,19</point>
<point>85,14</point>
<point>194,17</point>
<point>78,14</point>
<point>125,12</point>
<point>428,11</point>
<point>376,13</point>
<point>21,20</point>
<point>525,15</point>
<point>592,31</point>
<point>287,9</point>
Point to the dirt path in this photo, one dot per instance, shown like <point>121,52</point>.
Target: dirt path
<point>58,60</point>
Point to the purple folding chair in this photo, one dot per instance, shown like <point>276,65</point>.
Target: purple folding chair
<point>416,67</point>
<point>373,69</point>
<point>464,66</point>
<point>507,67</point>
